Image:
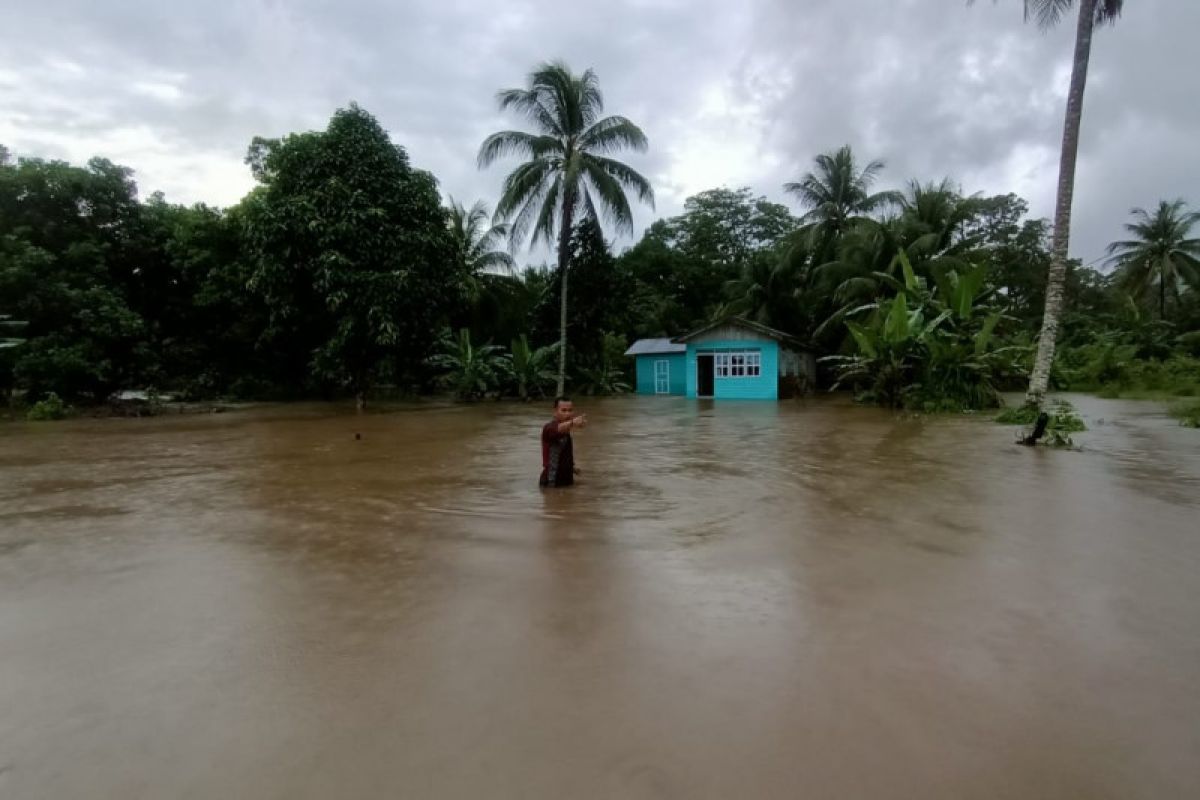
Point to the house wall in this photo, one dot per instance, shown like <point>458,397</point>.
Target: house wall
<point>645,372</point>
<point>764,387</point>
<point>730,333</point>
<point>799,364</point>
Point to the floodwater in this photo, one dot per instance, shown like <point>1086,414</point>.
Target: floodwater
<point>737,601</point>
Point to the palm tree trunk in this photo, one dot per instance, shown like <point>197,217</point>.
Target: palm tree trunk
<point>564,260</point>
<point>1162,294</point>
<point>1056,281</point>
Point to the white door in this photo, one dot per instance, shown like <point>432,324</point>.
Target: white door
<point>662,377</point>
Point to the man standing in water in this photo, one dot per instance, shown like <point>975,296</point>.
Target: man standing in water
<point>558,452</point>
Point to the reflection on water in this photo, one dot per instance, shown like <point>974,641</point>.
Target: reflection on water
<point>761,600</point>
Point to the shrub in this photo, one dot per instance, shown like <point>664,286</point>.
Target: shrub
<point>51,407</point>
<point>1189,343</point>
<point>1018,415</point>
<point>1063,421</point>
<point>928,348</point>
<point>1188,414</point>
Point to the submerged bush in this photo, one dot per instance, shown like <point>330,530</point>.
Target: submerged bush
<point>1188,414</point>
<point>1063,421</point>
<point>1064,418</point>
<point>1114,370</point>
<point>1189,342</point>
<point>1018,415</point>
<point>51,407</point>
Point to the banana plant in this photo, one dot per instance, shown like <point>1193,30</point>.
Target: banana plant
<point>927,346</point>
<point>472,371</point>
<point>532,370</point>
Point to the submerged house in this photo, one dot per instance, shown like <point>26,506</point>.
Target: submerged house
<point>661,366</point>
<point>733,359</point>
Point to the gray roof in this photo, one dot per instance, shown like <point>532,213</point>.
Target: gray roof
<point>643,347</point>
<point>742,322</point>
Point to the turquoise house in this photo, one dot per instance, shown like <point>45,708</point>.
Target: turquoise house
<point>732,359</point>
<point>661,366</point>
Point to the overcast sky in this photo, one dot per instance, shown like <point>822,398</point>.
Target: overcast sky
<point>729,92</point>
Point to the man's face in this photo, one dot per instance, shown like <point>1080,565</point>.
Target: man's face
<point>564,411</point>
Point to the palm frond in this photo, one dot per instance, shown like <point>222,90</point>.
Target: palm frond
<point>520,184</point>
<point>543,228</point>
<point>518,143</point>
<point>627,177</point>
<point>532,104</point>
<point>611,195</point>
<point>613,133</point>
<point>566,161</point>
<point>532,208</point>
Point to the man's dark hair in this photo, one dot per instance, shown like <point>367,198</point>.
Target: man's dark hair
<point>560,400</point>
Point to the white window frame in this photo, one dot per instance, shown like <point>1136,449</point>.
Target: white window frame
<point>737,364</point>
<point>662,376</point>
<point>753,364</point>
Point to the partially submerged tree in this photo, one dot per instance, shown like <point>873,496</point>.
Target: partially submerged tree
<point>1049,13</point>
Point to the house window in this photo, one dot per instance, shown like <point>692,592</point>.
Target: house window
<point>738,364</point>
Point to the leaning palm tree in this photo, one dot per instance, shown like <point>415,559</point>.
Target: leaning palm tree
<point>567,174</point>
<point>836,195</point>
<point>1161,252</point>
<point>1048,13</point>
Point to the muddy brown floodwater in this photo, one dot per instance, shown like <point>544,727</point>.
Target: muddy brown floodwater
<point>737,601</point>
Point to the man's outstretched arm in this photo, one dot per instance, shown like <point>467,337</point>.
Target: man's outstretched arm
<point>572,424</point>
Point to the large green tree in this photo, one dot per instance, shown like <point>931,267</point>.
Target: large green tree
<point>190,288</point>
<point>352,250</point>
<point>1048,14</point>
<point>724,228</point>
<point>715,257</point>
<point>1162,252</point>
<point>67,263</point>
<point>567,174</point>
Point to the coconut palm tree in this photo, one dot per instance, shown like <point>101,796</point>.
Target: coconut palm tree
<point>1049,13</point>
<point>567,174</point>
<point>476,241</point>
<point>1160,252</point>
<point>477,251</point>
<point>932,218</point>
<point>837,194</point>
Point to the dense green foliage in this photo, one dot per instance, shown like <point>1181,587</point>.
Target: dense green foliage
<point>1063,419</point>
<point>471,371</point>
<point>351,251</point>
<point>1188,414</point>
<point>49,408</point>
<point>929,347</point>
<point>342,271</point>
